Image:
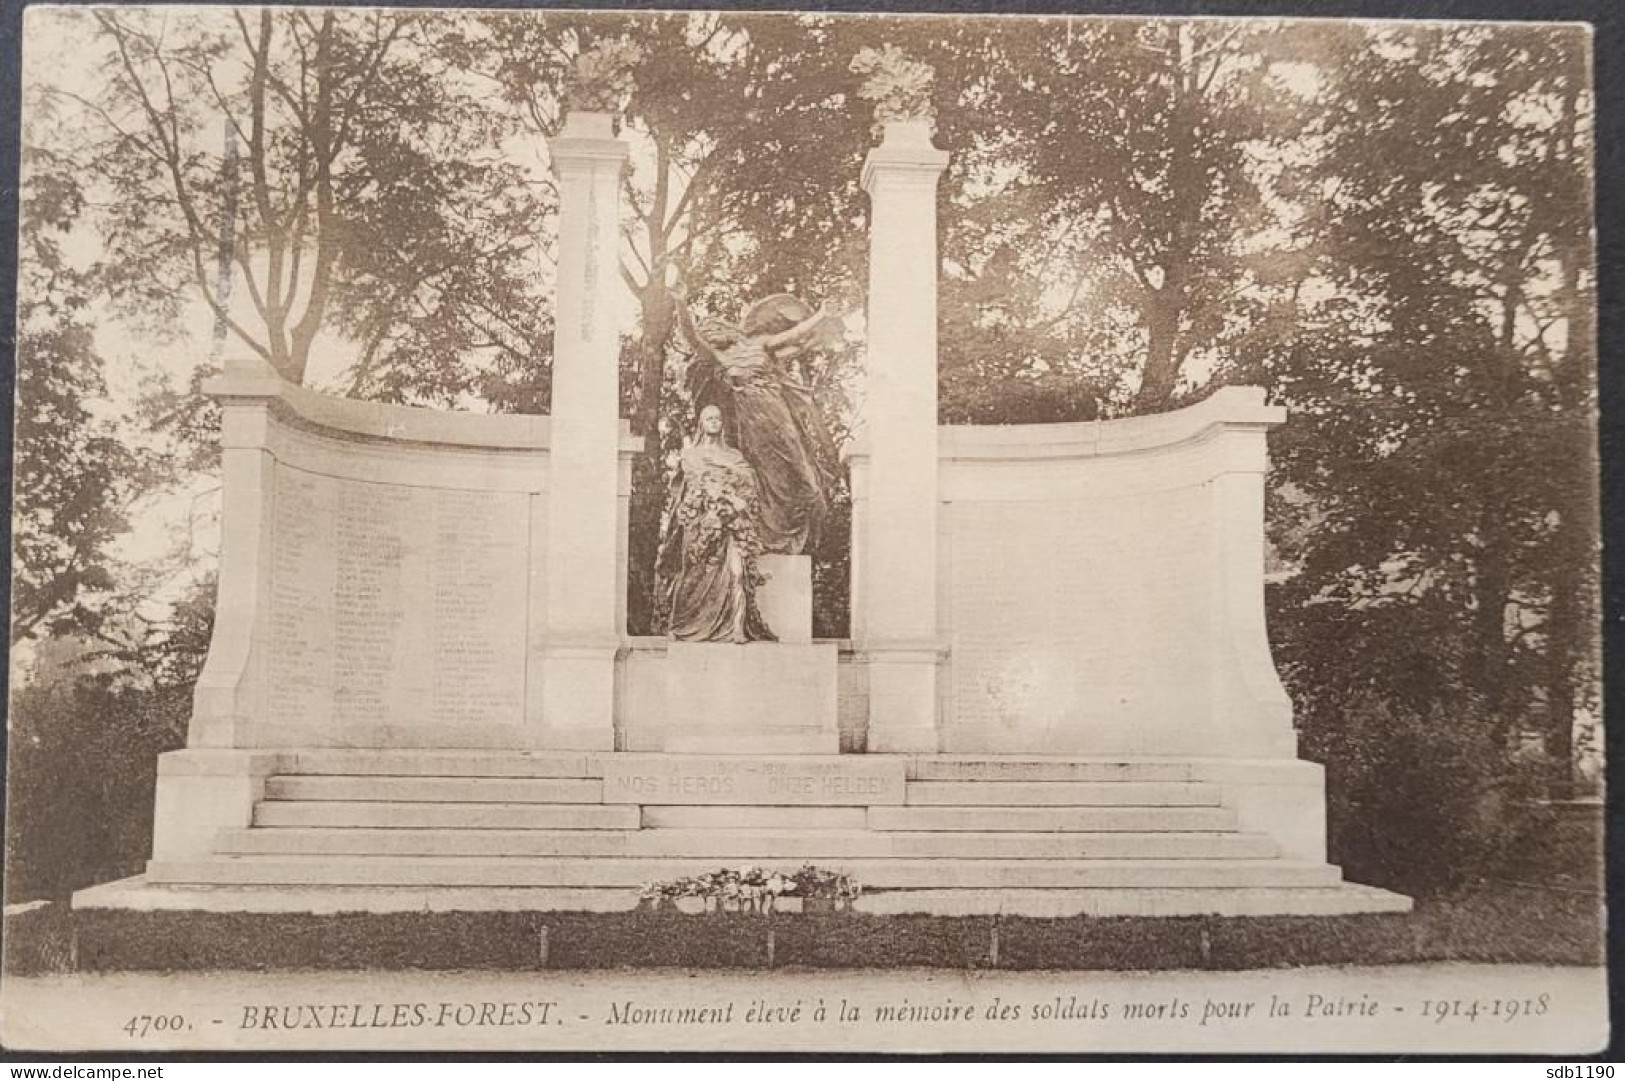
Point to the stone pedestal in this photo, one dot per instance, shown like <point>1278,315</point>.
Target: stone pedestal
<point>762,698</point>
<point>785,600</point>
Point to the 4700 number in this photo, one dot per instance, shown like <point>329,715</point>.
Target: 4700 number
<point>145,1024</point>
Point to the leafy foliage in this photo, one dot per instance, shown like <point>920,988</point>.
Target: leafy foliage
<point>1441,462</point>
<point>373,197</point>
<point>74,479</point>
<point>81,757</point>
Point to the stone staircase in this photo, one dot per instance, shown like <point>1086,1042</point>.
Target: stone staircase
<point>953,835</point>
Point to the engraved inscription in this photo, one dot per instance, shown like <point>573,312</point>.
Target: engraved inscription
<point>589,300</point>
<point>301,657</point>
<point>368,603</point>
<point>680,779</point>
<point>395,605</point>
<point>478,675</point>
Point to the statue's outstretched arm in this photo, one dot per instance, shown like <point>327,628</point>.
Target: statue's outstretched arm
<point>705,367</point>
<point>803,333</point>
<point>691,333</point>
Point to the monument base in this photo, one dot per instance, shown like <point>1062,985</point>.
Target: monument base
<point>942,834</point>
<point>762,698</point>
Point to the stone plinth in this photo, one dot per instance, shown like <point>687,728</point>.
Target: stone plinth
<point>785,600</point>
<point>948,835</point>
<point>199,793</point>
<point>762,698</point>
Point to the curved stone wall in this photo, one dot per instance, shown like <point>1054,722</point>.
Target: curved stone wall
<point>1100,586</point>
<point>381,582</point>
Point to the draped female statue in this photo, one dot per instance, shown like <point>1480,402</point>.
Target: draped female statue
<point>778,427</point>
<point>707,562</point>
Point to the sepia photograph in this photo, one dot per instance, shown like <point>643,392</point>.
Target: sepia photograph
<point>802,532</point>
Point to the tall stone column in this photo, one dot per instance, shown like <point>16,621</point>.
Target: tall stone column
<point>895,549</point>
<point>583,632</point>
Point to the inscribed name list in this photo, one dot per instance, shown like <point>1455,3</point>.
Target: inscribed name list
<point>395,605</point>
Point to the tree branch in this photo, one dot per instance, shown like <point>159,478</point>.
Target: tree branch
<point>196,231</point>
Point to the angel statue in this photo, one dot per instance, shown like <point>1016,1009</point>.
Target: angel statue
<point>748,372</point>
<point>707,561</point>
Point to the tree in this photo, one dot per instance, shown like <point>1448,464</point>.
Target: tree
<point>1451,390</point>
<point>371,199</point>
<point>1120,170</point>
<point>86,731</point>
<point>74,479</point>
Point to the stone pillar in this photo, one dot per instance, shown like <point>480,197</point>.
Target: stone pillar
<point>583,544</point>
<point>1252,714</point>
<point>897,545</point>
<point>230,690</point>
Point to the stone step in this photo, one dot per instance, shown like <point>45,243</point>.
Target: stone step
<point>982,768</point>
<point>436,789</point>
<point>142,895</point>
<point>764,844</point>
<point>452,816</point>
<point>1061,794</point>
<point>353,870</point>
<point>1343,899</point>
<point>426,763</point>
<point>520,763</point>
<point>760,817</point>
<point>1053,819</point>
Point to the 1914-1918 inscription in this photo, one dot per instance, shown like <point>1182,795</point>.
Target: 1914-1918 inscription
<point>800,779</point>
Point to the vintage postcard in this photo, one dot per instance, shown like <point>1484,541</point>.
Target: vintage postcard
<point>557,531</point>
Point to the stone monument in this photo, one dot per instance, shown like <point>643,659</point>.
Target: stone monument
<point>742,672</point>
<point>1058,695</point>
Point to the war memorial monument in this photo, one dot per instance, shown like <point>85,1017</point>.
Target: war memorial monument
<point>1057,697</point>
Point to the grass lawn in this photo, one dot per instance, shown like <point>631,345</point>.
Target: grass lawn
<point>1498,924</point>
